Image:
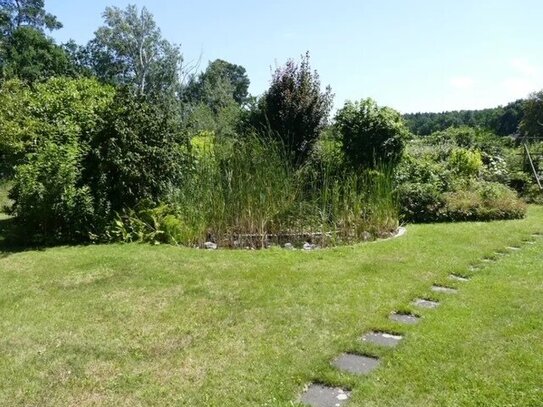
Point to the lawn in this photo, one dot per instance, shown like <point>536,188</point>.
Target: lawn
<point>135,325</point>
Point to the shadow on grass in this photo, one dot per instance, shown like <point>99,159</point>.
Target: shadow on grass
<point>11,241</point>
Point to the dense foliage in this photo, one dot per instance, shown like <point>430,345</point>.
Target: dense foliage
<point>29,55</point>
<point>458,174</point>
<point>295,109</point>
<point>116,140</point>
<point>85,153</point>
<point>372,136</point>
<point>532,122</point>
<point>135,156</point>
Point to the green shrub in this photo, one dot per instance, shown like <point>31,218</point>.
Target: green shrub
<point>483,201</point>
<point>89,152</point>
<point>420,202</point>
<point>51,200</point>
<point>294,109</point>
<point>135,156</point>
<point>372,136</point>
<point>466,163</point>
<point>48,199</point>
<point>151,225</point>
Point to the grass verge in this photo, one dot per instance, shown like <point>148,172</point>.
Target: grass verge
<point>141,325</point>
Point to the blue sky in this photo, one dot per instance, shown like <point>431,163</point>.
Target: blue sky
<point>416,55</point>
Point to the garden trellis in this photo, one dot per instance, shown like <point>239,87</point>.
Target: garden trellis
<point>533,156</point>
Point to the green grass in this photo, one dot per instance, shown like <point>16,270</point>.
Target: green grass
<point>143,325</point>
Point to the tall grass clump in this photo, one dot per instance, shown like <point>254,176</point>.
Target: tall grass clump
<point>236,192</point>
<point>246,193</point>
<point>353,206</point>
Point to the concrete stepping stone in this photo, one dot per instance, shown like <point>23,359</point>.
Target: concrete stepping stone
<point>513,248</point>
<point>445,290</point>
<point>489,260</point>
<point>382,339</point>
<point>408,319</point>
<point>355,364</point>
<point>419,302</point>
<point>474,268</point>
<point>458,278</point>
<point>318,395</point>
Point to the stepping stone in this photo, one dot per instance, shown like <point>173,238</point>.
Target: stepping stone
<point>446,290</point>
<point>419,302</point>
<point>408,319</point>
<point>458,278</point>
<point>489,260</point>
<point>318,395</point>
<point>474,268</point>
<point>513,248</point>
<point>355,364</point>
<point>382,339</point>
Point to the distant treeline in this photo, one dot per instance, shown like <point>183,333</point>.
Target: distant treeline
<point>502,120</point>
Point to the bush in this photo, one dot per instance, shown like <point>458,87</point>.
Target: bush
<point>438,187</point>
<point>483,201</point>
<point>151,225</point>
<point>372,136</point>
<point>466,163</point>
<point>89,154</point>
<point>294,109</point>
<point>136,155</point>
<point>48,198</point>
<point>419,202</point>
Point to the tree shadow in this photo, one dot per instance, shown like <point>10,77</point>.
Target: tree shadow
<point>11,241</point>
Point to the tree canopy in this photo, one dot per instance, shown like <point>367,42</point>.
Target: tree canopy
<point>129,50</point>
<point>15,14</point>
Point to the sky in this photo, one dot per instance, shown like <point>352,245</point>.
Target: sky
<point>412,55</point>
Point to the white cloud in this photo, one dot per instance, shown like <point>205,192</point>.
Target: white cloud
<point>462,82</point>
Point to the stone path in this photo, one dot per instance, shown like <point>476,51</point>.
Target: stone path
<point>445,290</point>
<point>382,339</point>
<point>319,395</point>
<point>408,319</point>
<point>456,277</point>
<point>422,303</point>
<point>355,364</point>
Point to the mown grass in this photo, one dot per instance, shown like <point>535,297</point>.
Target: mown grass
<point>141,325</point>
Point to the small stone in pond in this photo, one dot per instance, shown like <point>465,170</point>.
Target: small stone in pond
<point>210,246</point>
